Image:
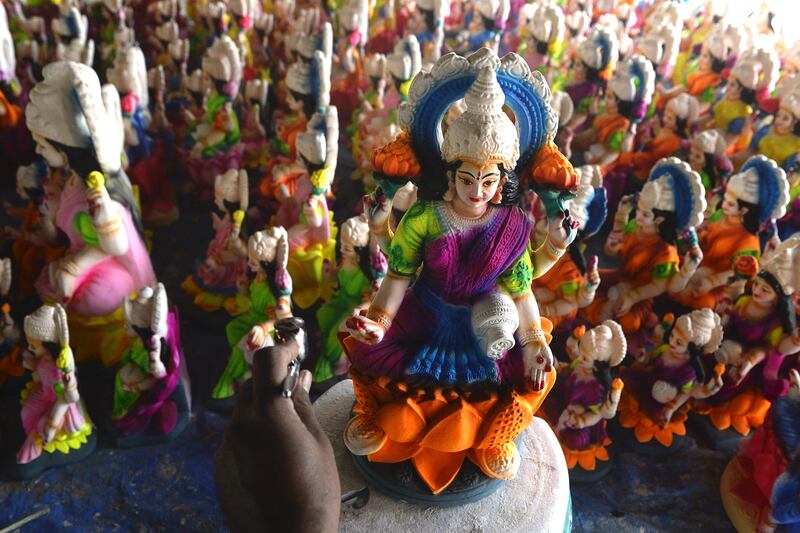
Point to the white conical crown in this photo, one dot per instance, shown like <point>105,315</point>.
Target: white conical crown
<point>483,133</point>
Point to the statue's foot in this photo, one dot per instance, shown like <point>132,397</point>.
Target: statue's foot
<point>503,460</point>
<point>362,436</point>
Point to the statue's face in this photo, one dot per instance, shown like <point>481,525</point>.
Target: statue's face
<point>697,158</point>
<point>669,121</point>
<point>730,205</point>
<point>734,90</point>
<point>475,186</point>
<point>54,157</point>
<point>784,122</point>
<point>580,71</point>
<point>762,293</point>
<point>678,340</point>
<point>645,219</point>
<point>704,62</point>
<point>355,233</point>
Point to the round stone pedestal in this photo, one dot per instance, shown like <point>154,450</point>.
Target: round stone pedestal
<point>538,499</point>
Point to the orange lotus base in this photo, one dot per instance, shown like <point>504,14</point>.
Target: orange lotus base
<point>438,428</point>
<point>744,412</point>
<point>645,428</point>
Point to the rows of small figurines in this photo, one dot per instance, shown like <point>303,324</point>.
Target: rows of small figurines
<point>682,126</point>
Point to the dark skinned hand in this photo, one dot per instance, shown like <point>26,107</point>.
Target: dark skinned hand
<point>275,470</point>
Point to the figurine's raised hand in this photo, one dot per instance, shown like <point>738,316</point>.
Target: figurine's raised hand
<point>275,469</point>
<point>538,361</point>
<point>378,208</point>
<point>561,230</point>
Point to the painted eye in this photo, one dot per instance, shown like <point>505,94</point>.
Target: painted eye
<point>487,184</point>
<point>466,181</point>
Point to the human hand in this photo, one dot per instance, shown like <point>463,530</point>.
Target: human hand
<point>275,468</point>
<point>592,273</point>
<point>538,360</point>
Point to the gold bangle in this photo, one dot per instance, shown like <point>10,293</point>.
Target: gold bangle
<point>531,336</point>
<point>553,252</point>
<point>394,275</point>
<point>381,317</point>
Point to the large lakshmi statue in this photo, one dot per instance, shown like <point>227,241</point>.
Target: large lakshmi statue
<point>454,365</point>
<point>77,126</point>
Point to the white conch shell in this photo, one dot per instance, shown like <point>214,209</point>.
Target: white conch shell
<point>494,321</point>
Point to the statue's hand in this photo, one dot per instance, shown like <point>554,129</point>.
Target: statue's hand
<point>365,330</point>
<point>378,208</point>
<point>561,230</point>
<point>538,361</point>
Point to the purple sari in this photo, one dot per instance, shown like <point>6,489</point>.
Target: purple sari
<point>431,337</point>
<point>587,394</point>
<point>640,381</point>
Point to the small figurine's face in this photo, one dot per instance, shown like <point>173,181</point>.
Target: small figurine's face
<point>54,157</point>
<point>697,158</point>
<point>784,122</point>
<point>734,90</point>
<point>580,71</point>
<point>678,340</point>
<point>475,186</point>
<point>762,293</point>
<point>36,347</point>
<point>645,219</point>
<point>611,102</point>
<point>705,60</point>
<point>730,205</point>
<point>669,121</point>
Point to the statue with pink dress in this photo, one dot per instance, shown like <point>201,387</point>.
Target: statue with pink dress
<point>56,425</point>
<point>216,282</point>
<point>78,126</point>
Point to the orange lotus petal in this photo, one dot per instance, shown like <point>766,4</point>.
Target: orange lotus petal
<point>602,453</point>
<point>433,407</point>
<point>365,402</point>
<point>721,420</point>
<point>586,460</point>
<point>740,424</point>
<point>456,430</point>
<point>438,469</point>
<point>664,436</point>
<point>629,419</point>
<point>395,452</point>
<point>484,406</point>
<point>572,459</point>
<point>402,421</point>
<point>643,434</point>
<point>505,422</point>
<point>741,403</point>
<point>678,428</point>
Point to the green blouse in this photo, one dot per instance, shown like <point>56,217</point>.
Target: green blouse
<point>422,224</point>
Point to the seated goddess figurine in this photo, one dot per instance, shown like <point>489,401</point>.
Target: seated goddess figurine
<point>79,127</point>
<point>57,427</point>
<point>150,402</point>
<point>270,300</point>
<point>671,202</point>
<point>216,282</point>
<point>572,281</point>
<point>587,398</point>
<point>760,335</point>
<point>595,60</point>
<point>438,374</point>
<point>359,275</point>
<point>654,404</point>
<point>753,197</point>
